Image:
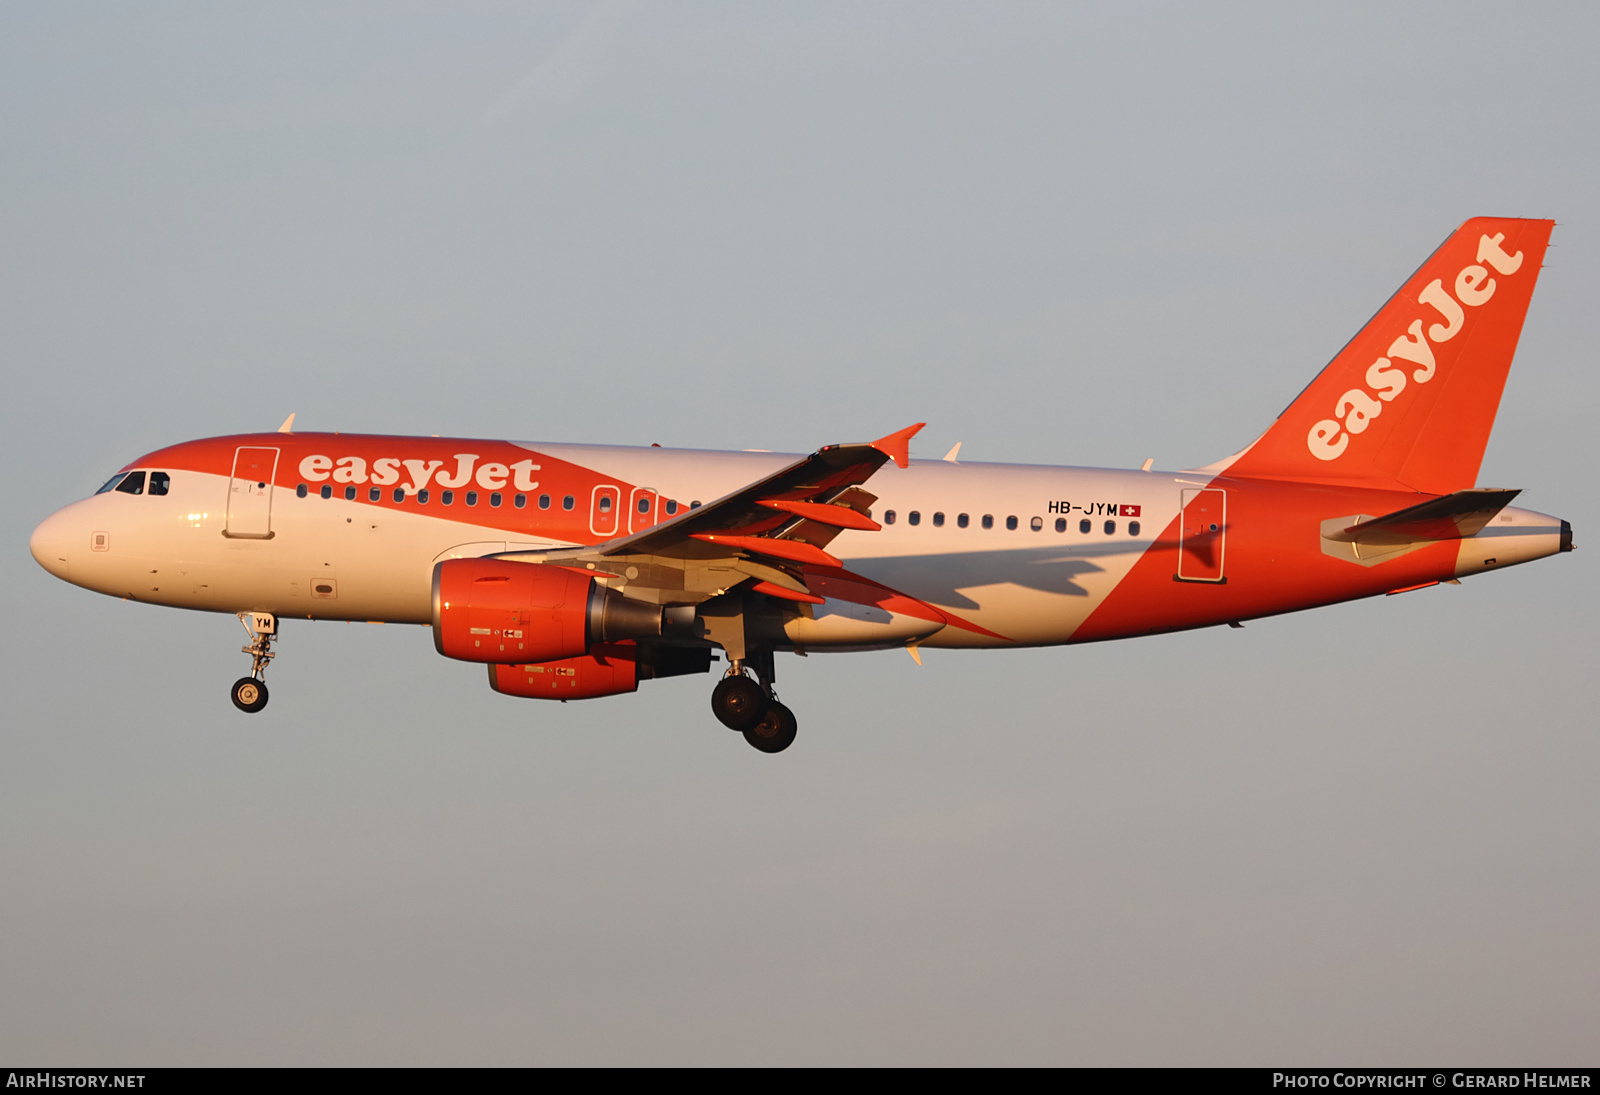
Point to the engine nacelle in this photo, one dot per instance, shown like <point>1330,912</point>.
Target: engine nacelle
<point>493,610</point>
<point>608,671</point>
<point>485,610</point>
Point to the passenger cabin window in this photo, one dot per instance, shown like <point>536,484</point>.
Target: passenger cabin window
<point>1111,528</point>
<point>472,497</point>
<point>988,520</point>
<point>374,494</point>
<point>888,516</point>
<point>447,498</point>
<point>1085,525</point>
<point>422,497</point>
<point>520,501</point>
<point>672,507</point>
<point>1133,528</point>
<point>644,505</point>
<point>159,481</point>
<point>1061,524</point>
<point>327,491</point>
<point>605,503</point>
<point>494,499</point>
<point>349,494</point>
<point>399,494</point>
<point>300,491</point>
<point>133,484</point>
<point>938,520</point>
<point>568,502</point>
<point>962,520</point>
<point>914,517</point>
<point>1011,524</point>
<point>111,484</point>
<point>1036,524</point>
<point>544,501</point>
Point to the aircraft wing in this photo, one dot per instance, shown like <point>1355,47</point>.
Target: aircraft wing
<point>788,518</point>
<point>772,533</point>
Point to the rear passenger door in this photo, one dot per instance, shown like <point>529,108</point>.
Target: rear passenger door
<point>1203,535</point>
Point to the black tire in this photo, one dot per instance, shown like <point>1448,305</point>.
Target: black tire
<point>249,694</point>
<point>738,702</point>
<point>775,732</point>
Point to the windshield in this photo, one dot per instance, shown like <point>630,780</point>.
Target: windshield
<point>111,483</point>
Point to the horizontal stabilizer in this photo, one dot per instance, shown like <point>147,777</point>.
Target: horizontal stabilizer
<point>1452,517</point>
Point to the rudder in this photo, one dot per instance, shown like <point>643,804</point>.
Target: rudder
<point>1410,400</point>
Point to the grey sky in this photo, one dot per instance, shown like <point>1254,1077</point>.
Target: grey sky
<point>1058,233</point>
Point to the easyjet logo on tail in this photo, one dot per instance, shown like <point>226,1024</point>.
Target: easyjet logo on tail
<point>1354,411</point>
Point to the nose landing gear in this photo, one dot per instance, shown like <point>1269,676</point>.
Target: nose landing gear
<point>749,705</point>
<point>250,693</point>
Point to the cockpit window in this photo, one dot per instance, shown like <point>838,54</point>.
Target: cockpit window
<point>132,483</point>
<point>111,484</point>
<point>159,481</point>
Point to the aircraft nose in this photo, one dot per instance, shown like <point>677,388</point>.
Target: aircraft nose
<point>51,543</point>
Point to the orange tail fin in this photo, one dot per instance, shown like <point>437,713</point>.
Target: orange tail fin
<point>1409,402</point>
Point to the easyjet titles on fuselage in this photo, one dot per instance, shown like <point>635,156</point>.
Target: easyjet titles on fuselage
<point>317,468</point>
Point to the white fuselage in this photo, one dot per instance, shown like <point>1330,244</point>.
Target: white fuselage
<point>333,559</point>
<point>1026,553</point>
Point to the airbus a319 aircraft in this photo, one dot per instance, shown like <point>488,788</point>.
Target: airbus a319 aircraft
<point>577,571</point>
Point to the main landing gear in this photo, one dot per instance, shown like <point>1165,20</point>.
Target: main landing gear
<point>750,706</point>
<point>250,693</point>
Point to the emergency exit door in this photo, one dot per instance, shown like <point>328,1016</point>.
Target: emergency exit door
<point>604,504</point>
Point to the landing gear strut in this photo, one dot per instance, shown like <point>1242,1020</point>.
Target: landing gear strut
<point>250,693</point>
<point>749,705</point>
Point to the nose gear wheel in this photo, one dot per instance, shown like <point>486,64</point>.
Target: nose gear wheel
<point>249,694</point>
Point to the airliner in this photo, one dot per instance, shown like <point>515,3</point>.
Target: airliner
<point>578,571</point>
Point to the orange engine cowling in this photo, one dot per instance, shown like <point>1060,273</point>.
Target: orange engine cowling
<point>608,671</point>
<point>495,610</point>
<point>485,610</point>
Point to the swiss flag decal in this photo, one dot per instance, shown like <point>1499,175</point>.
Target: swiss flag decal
<point>1128,511</point>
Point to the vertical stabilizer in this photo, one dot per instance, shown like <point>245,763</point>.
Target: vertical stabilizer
<point>1409,402</point>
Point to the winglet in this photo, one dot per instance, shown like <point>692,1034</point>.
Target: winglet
<point>288,425</point>
<point>897,446</point>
